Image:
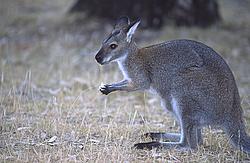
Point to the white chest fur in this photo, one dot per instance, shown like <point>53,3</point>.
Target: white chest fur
<point>123,70</point>
<point>152,91</point>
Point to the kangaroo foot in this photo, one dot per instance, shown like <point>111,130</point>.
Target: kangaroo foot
<point>174,137</point>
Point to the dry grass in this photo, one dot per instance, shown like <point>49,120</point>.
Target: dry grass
<point>50,106</point>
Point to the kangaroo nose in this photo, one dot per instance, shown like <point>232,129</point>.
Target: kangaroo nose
<point>98,58</point>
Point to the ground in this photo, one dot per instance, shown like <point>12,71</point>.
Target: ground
<point>50,106</point>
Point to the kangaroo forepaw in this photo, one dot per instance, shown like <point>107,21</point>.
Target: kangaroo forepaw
<point>149,145</point>
<point>104,88</point>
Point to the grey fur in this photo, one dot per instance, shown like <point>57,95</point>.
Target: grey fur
<point>194,82</point>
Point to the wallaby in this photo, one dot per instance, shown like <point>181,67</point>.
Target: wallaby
<point>193,81</point>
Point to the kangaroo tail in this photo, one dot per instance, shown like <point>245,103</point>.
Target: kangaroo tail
<point>235,127</point>
<point>239,137</point>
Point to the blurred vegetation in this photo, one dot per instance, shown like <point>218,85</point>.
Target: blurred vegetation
<point>153,13</point>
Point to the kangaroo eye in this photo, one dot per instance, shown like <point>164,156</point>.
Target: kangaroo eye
<point>113,46</point>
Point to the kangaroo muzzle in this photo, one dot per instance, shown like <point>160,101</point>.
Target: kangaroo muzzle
<point>99,57</point>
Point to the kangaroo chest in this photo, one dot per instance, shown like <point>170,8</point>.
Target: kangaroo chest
<point>124,70</point>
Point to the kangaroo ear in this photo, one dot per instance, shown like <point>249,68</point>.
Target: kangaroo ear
<point>122,22</point>
<point>131,30</point>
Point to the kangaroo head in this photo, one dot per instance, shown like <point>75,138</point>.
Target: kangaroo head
<point>117,44</point>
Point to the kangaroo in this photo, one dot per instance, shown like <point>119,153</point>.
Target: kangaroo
<point>194,83</point>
